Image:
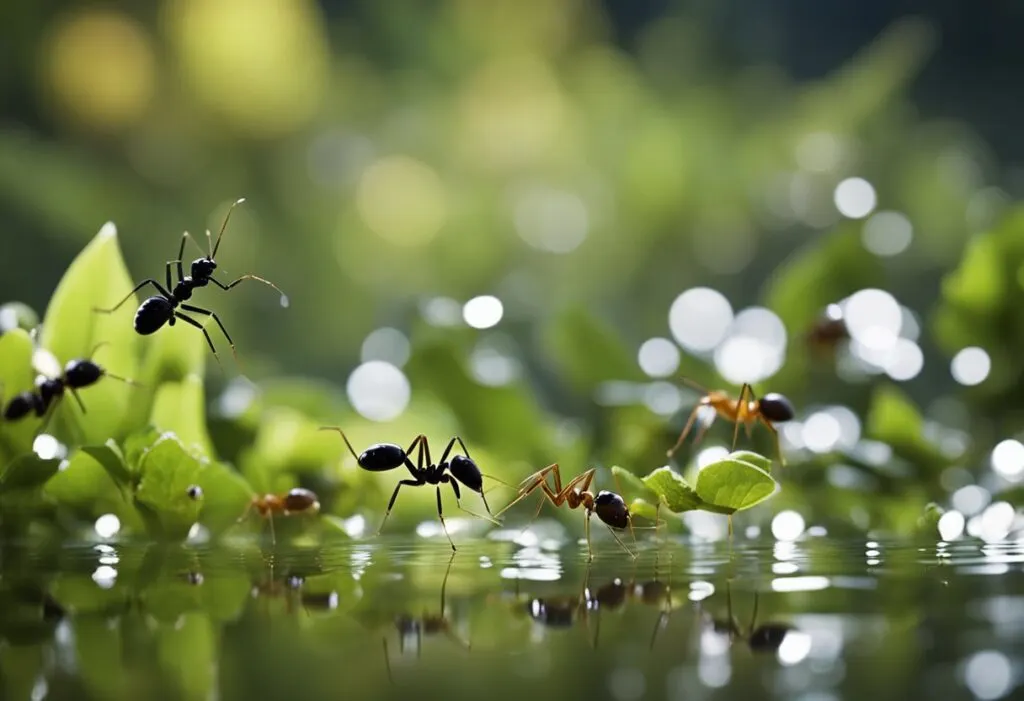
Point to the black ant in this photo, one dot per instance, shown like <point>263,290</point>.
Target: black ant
<point>50,387</point>
<point>382,457</point>
<point>609,507</point>
<point>766,637</point>
<point>294,501</point>
<point>616,593</point>
<point>426,625</point>
<point>772,408</point>
<point>162,309</point>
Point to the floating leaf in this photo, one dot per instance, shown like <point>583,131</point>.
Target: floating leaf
<point>166,472</point>
<point>28,471</point>
<point>734,485</point>
<point>670,486</point>
<point>96,278</point>
<point>179,407</point>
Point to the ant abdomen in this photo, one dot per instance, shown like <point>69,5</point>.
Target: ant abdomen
<point>612,595</point>
<point>776,408</point>
<point>299,500</point>
<point>20,406</point>
<point>466,471</point>
<point>611,509</point>
<point>769,637</point>
<point>382,457</point>
<point>153,313</point>
<point>653,592</point>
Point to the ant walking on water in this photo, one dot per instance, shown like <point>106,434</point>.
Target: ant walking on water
<point>51,385</point>
<point>772,408</point>
<point>294,501</point>
<point>609,507</point>
<point>382,457</point>
<point>163,308</point>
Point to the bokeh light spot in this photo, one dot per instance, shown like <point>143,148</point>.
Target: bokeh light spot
<point>483,312</point>
<point>787,525</point>
<point>855,198</point>
<point>658,357</point>
<point>971,366</point>
<point>402,200</point>
<point>988,674</point>
<point>1008,459</point>
<point>378,390</point>
<point>550,220</point>
<point>887,233</point>
<point>387,344</point>
<point>699,318</point>
<point>905,361</point>
<point>951,525</point>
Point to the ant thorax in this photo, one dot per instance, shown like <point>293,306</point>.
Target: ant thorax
<point>267,504</point>
<point>576,497</point>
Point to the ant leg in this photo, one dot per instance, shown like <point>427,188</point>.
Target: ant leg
<point>394,495</point>
<point>619,540</point>
<point>425,447</point>
<point>207,312</point>
<point>778,444</point>
<point>529,485</point>
<point>193,322</point>
<point>586,527</point>
<point>148,281</point>
<point>74,393</point>
<point>440,515</point>
<point>273,537</point>
<point>387,660</point>
<point>221,285</point>
<point>686,430</point>
<point>742,412</point>
<point>448,449</point>
<point>458,496</point>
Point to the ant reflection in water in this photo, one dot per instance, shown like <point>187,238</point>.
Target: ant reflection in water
<point>766,637</point>
<point>428,624</point>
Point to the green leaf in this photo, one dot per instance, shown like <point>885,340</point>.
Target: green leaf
<point>893,419</point>
<point>644,509</point>
<point>166,472</point>
<point>928,522</point>
<point>226,495</point>
<point>180,408</point>
<point>734,485</point>
<point>110,458</point>
<point>136,445</point>
<point>185,651</point>
<point>97,277</point>
<point>84,486</point>
<point>28,471</point>
<point>17,315</point>
<point>587,349</point>
<point>625,479</point>
<point>670,486</point>
<point>755,459</point>
<point>16,375</point>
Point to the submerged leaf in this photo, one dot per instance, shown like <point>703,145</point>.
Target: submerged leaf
<point>96,278</point>
<point>734,485</point>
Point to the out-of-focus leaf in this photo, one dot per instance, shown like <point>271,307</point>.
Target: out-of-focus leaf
<point>16,375</point>
<point>102,673</point>
<point>78,594</point>
<point>166,472</point>
<point>179,407</point>
<point>226,495</point>
<point>185,651</point>
<point>893,419</point>
<point>17,315</point>
<point>96,278</point>
<point>1012,495</point>
<point>27,471</point>
<point>109,456</point>
<point>734,484</point>
<point>928,522</point>
<point>83,485</point>
<point>587,350</point>
<point>22,665</point>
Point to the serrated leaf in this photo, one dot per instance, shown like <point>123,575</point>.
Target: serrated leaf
<point>734,485</point>
<point>180,408</point>
<point>28,471</point>
<point>673,490</point>
<point>166,472</point>
<point>110,458</point>
<point>96,278</point>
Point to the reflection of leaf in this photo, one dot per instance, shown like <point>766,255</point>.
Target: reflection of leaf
<point>97,277</point>
<point>27,472</point>
<point>734,485</point>
<point>166,472</point>
<point>102,672</point>
<point>185,651</point>
<point>670,486</point>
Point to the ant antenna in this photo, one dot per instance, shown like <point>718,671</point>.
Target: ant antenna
<point>126,380</point>
<point>694,385</point>
<point>220,234</point>
<point>92,353</point>
<point>344,437</point>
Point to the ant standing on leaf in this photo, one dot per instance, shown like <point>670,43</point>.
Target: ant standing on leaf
<point>609,507</point>
<point>294,501</point>
<point>162,308</point>
<point>52,383</point>
<point>772,408</point>
<point>382,457</point>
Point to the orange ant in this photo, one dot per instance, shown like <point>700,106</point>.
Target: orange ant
<point>772,408</point>
<point>609,507</point>
<point>294,501</point>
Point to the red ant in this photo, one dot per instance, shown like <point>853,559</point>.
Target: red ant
<point>294,501</point>
<point>772,408</point>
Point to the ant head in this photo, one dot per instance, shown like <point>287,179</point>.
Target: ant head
<point>613,594</point>
<point>611,509</point>
<point>203,268</point>
<point>776,408</point>
<point>467,472</point>
<point>48,389</point>
<point>82,373</point>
